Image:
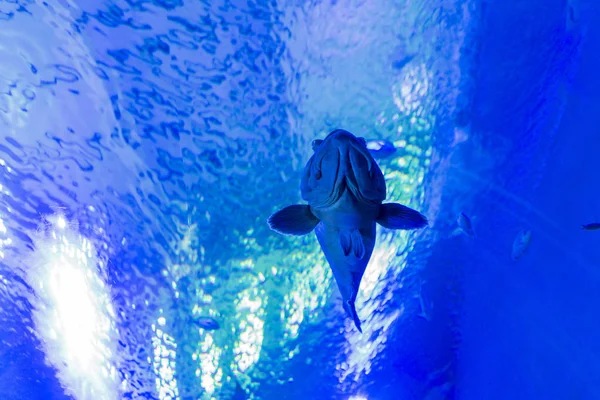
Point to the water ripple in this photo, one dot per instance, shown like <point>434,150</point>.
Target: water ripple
<point>166,133</point>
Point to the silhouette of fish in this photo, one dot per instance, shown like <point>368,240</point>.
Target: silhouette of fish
<point>381,148</point>
<point>207,323</point>
<point>521,243</point>
<point>591,227</point>
<point>465,225</point>
<point>345,190</point>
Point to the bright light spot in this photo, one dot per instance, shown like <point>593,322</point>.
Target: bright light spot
<point>309,294</point>
<point>61,223</point>
<point>209,355</point>
<point>357,398</point>
<point>410,92</point>
<point>376,290</point>
<point>294,305</point>
<point>165,351</point>
<point>4,241</point>
<point>372,284</point>
<point>209,365</point>
<point>247,348</point>
<point>73,314</point>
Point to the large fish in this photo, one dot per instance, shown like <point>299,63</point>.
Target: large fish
<point>344,188</point>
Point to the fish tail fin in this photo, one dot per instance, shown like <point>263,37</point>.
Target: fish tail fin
<point>351,311</point>
<point>352,242</point>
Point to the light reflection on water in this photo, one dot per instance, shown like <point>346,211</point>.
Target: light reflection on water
<point>163,362</point>
<point>72,310</point>
<point>209,357</point>
<point>247,348</point>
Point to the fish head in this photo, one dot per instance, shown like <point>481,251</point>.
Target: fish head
<point>341,162</point>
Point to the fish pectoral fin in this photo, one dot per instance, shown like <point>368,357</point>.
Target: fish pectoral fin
<point>397,216</point>
<point>294,220</point>
<point>352,242</point>
<point>351,311</point>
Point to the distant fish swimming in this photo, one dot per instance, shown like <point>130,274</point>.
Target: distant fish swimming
<point>207,323</point>
<point>464,224</point>
<point>521,244</point>
<point>344,188</point>
<point>594,226</point>
<point>381,148</point>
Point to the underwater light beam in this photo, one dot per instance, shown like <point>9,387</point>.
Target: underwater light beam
<point>72,311</point>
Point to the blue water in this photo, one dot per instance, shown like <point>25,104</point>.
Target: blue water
<point>144,144</point>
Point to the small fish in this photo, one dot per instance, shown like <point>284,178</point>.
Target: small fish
<point>400,57</point>
<point>381,148</point>
<point>464,224</point>
<point>521,244</point>
<point>207,323</point>
<point>591,227</point>
<point>401,62</point>
<point>345,190</point>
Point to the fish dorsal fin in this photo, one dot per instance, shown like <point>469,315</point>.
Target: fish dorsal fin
<point>352,242</point>
<point>294,220</point>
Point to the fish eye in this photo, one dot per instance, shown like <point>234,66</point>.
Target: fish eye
<point>362,141</point>
<point>316,143</point>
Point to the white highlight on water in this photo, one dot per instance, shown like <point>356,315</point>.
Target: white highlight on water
<point>72,311</point>
<point>374,294</point>
<point>163,363</point>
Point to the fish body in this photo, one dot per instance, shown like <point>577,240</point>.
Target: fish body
<point>345,190</point>
<point>465,225</point>
<point>591,227</point>
<point>381,148</point>
<point>520,244</point>
<point>207,323</point>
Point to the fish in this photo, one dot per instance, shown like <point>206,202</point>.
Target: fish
<point>207,323</point>
<point>464,225</point>
<point>381,148</point>
<point>401,57</point>
<point>345,189</point>
<point>591,226</point>
<point>400,62</point>
<point>521,243</point>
